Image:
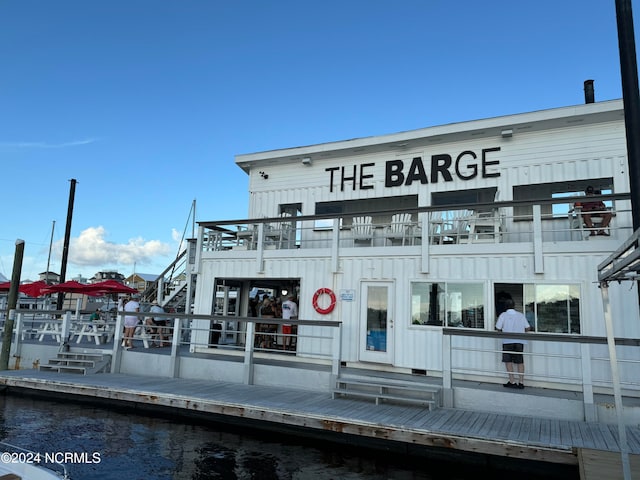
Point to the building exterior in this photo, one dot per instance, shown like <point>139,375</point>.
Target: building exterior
<point>140,281</point>
<point>403,237</point>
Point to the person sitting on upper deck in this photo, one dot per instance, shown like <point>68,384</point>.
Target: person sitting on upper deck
<point>595,209</point>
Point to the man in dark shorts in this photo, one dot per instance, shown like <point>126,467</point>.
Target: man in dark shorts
<point>512,321</point>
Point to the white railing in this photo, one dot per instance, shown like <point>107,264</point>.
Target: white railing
<point>502,222</point>
<point>565,362</point>
<point>256,339</point>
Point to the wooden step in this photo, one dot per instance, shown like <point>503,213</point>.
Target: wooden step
<point>388,390</point>
<point>81,363</point>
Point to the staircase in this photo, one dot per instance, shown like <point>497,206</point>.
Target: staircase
<point>382,389</point>
<point>174,289</point>
<point>81,363</point>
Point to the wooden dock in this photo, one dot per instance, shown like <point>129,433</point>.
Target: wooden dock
<point>599,465</point>
<point>410,427</point>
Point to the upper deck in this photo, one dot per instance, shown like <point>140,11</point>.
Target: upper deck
<point>551,226</point>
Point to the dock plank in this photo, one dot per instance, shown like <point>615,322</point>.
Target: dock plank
<point>598,464</point>
<point>480,432</point>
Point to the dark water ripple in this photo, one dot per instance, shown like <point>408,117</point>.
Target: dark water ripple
<point>131,445</point>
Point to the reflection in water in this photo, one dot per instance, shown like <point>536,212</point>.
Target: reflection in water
<point>132,445</point>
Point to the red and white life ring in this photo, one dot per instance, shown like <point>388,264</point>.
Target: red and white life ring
<point>332,298</point>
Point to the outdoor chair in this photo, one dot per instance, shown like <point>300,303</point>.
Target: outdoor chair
<point>362,230</point>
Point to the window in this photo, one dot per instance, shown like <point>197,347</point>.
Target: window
<point>447,304</point>
<point>552,308</point>
<point>556,190</point>
<point>464,197</point>
<point>346,207</point>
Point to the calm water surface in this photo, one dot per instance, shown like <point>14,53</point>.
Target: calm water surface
<point>131,445</point>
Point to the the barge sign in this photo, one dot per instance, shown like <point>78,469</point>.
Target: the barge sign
<point>442,167</point>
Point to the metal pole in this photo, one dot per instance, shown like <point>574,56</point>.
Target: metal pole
<point>46,278</point>
<point>615,376</point>
<point>67,235</point>
<point>11,306</point>
<point>631,101</point>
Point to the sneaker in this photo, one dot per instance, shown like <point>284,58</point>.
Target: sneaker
<point>510,385</point>
<point>520,385</point>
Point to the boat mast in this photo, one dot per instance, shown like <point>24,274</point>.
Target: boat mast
<point>46,277</point>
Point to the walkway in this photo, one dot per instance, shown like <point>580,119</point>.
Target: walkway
<point>414,427</point>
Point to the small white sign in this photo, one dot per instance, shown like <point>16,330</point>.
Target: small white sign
<point>347,295</point>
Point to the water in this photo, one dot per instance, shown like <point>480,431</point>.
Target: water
<point>117,443</point>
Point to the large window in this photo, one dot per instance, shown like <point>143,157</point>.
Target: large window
<point>552,308</point>
<point>448,304</point>
<point>554,190</point>
<point>346,207</point>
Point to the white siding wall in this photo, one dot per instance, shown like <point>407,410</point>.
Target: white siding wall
<point>570,153</point>
<point>567,154</point>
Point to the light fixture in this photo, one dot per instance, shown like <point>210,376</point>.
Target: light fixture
<point>306,161</point>
<point>506,133</point>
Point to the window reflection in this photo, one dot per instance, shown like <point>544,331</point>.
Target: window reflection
<point>450,304</point>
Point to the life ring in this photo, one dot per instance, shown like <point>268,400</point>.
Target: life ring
<point>332,304</point>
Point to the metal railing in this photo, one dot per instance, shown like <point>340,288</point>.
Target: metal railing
<point>566,362</point>
<point>310,342</point>
<point>499,222</point>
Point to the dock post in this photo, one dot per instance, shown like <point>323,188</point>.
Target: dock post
<point>248,354</point>
<point>447,383</point>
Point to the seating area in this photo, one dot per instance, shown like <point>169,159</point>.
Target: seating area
<point>580,227</point>
<point>466,226</point>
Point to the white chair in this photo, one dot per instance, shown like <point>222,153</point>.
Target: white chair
<point>278,233</point>
<point>400,228</point>
<point>455,226</point>
<point>362,230</point>
<point>485,227</point>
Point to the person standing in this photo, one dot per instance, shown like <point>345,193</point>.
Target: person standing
<point>160,323</point>
<point>289,311</point>
<point>130,321</point>
<point>512,321</point>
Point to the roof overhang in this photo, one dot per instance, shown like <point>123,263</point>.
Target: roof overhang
<point>583,114</point>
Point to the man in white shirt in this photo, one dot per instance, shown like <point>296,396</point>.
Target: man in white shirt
<point>512,321</point>
<point>289,311</point>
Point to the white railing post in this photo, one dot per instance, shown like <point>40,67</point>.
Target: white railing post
<point>590,414</point>
<point>116,351</point>
<point>447,383</point>
<point>248,353</point>
<point>175,345</point>
<point>65,333</point>
<point>538,257</point>
<point>336,357</point>
<point>335,239</point>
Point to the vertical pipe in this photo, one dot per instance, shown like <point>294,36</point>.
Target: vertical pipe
<point>67,235</point>
<point>11,305</point>
<point>629,74</point>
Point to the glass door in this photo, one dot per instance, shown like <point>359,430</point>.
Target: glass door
<point>376,322</point>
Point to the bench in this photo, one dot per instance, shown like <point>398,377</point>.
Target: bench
<point>418,393</point>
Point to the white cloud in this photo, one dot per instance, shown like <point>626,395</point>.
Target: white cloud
<point>74,143</point>
<point>91,249</point>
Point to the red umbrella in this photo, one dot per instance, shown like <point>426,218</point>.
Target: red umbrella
<point>72,287</point>
<point>111,286</point>
<point>34,289</point>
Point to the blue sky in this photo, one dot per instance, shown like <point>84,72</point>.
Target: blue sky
<point>145,103</point>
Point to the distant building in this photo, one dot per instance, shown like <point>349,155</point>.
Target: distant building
<point>49,277</point>
<point>141,281</point>
<point>102,276</point>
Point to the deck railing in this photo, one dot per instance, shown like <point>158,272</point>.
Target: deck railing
<point>580,363</point>
<point>495,223</point>
<point>255,340</point>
